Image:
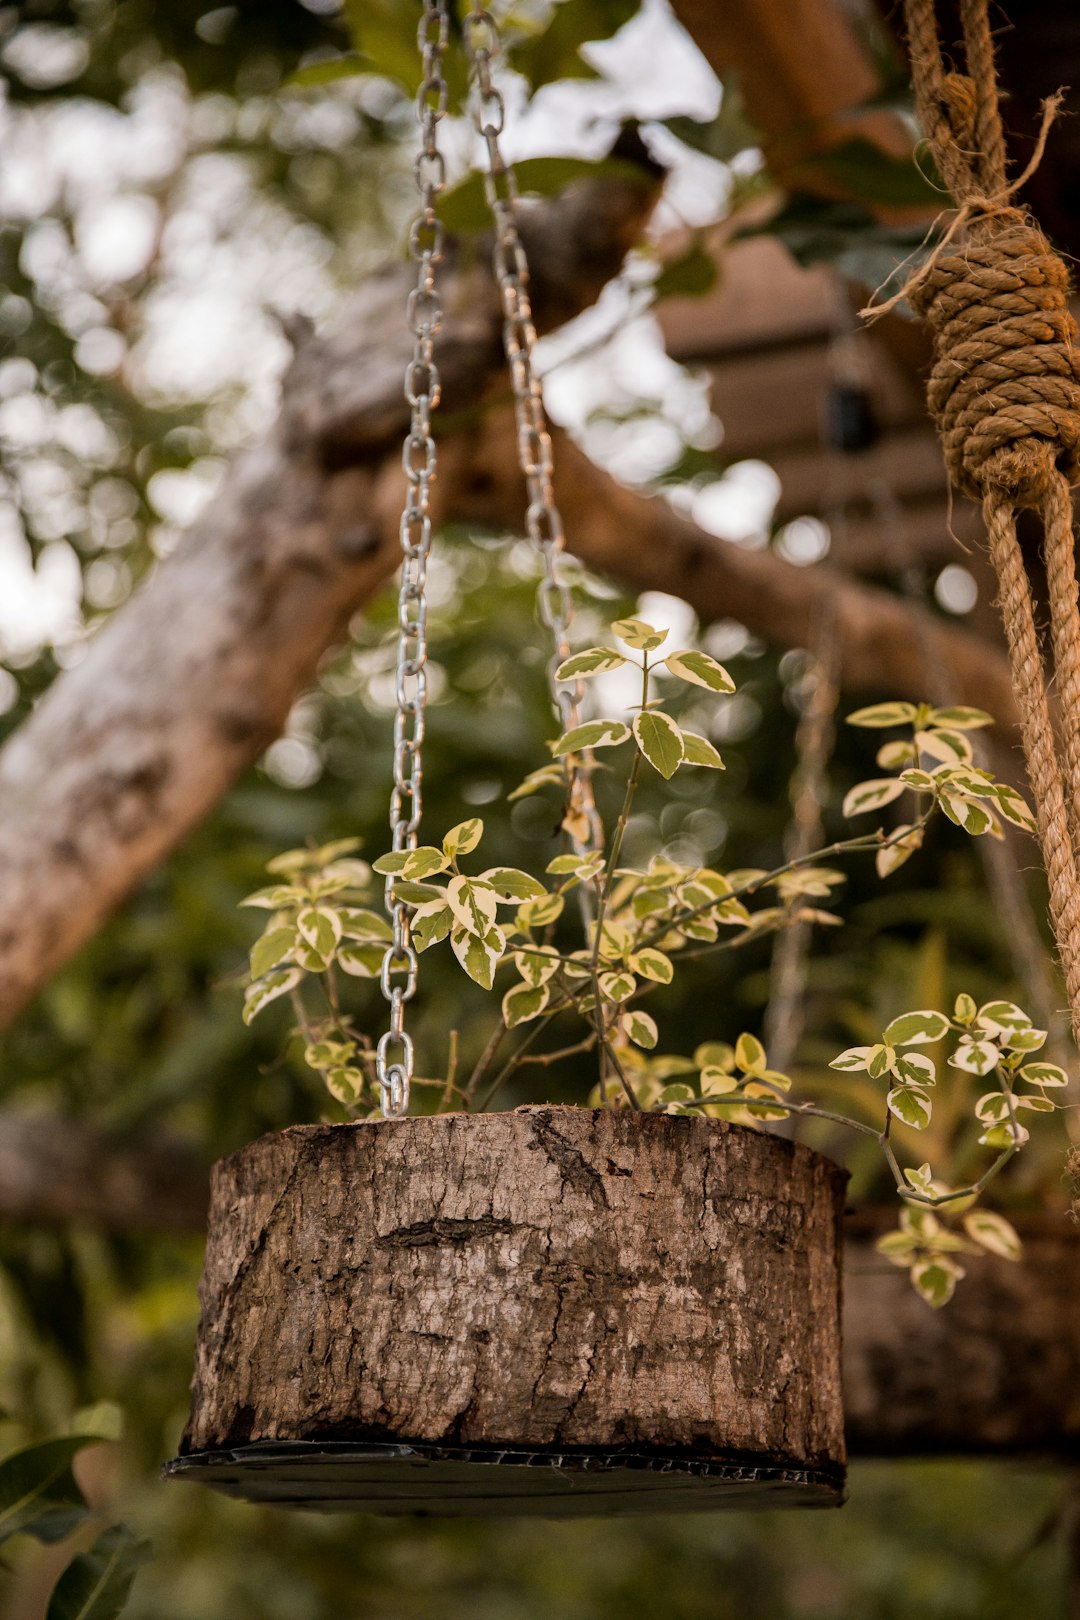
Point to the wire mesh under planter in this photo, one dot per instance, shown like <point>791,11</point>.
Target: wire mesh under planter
<point>554,1311</point>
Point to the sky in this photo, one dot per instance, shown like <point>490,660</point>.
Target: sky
<point>151,189</point>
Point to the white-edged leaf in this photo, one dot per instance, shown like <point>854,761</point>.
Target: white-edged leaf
<point>615,940</point>
<point>966,813</point>
<point>882,1060</point>
<point>750,1054</point>
<point>276,983</point>
<point>320,928</point>
<point>936,1279</point>
<point>536,965</point>
<point>344,1084</point>
<point>699,750</point>
<point>919,779</point>
<point>899,1248</point>
<point>359,923</point>
<point>275,898</point>
<point>699,670</point>
<point>640,1028</point>
<point>473,904</point>
<point>975,1057</point>
<point>430,924</point>
<point>911,1106</point>
<point>866,796</point>
<point>546,776</point>
<point>901,845</point>
<point>891,755</point>
<point>593,734</point>
<point>652,964</point>
<point>418,894</point>
<point>992,1108</point>
<point>1026,1040</point>
<point>1003,1017</point>
<point>1014,807</point>
<point>1044,1074</point>
<point>879,715</point>
<point>922,1178</point>
<point>593,661</point>
<point>917,1028</point>
<point>636,633</point>
<point>462,839</point>
<point>949,747</point>
<point>717,1082</point>
<point>541,911</point>
<point>964,1008</point>
<point>1008,1134</point>
<point>412,863</point>
<point>524,1002</point>
<point>361,961</point>
<point>961,718</point>
<point>856,1057</point>
<point>271,949</point>
<point>660,740</point>
<point>511,884</point>
<point>479,957</point>
<point>993,1233</point>
<point>617,986</point>
<point>916,1068</point>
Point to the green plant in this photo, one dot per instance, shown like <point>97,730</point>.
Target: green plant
<point>637,926</point>
<point>40,1497</point>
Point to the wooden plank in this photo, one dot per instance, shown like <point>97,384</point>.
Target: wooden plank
<point>762,299</point>
<point>907,464</point>
<point>772,400</point>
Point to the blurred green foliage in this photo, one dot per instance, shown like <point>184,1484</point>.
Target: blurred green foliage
<point>143,1032</point>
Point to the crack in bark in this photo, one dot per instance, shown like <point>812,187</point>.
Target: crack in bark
<point>567,1159</point>
<point>445,1229</point>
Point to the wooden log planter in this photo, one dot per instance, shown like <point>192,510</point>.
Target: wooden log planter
<point>554,1310</point>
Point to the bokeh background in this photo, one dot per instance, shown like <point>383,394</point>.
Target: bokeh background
<point>167,200</point>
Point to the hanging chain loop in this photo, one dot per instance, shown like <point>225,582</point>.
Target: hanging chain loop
<point>542,518</point>
<point>395,1058</point>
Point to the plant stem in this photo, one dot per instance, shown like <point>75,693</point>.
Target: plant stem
<point>604,1049</point>
<point>516,1058</point>
<point>846,846</point>
<point>484,1062</point>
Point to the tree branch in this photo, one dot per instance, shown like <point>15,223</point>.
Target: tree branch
<point>186,685</point>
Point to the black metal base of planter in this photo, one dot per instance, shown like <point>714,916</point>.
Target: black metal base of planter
<point>479,1481</point>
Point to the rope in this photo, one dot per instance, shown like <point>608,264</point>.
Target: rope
<point>1004,394</point>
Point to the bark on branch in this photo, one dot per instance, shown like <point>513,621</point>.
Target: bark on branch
<point>190,681</point>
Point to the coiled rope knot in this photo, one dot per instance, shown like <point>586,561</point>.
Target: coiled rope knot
<point>1005,386</point>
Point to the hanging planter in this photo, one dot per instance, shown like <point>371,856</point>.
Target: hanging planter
<point>555,1310</point>
<point>633,1307</point>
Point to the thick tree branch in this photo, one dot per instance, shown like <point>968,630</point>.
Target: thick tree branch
<point>188,682</point>
<point>884,642</point>
<point>56,1171</point>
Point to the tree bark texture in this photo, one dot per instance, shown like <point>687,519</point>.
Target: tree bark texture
<point>190,680</point>
<point>552,1279</point>
<point>996,1372</point>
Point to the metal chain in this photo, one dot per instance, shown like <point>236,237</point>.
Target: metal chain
<point>542,518</point>
<point>394,1059</point>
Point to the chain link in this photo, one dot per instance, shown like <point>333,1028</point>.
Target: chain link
<point>395,1058</point>
<point>542,518</point>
